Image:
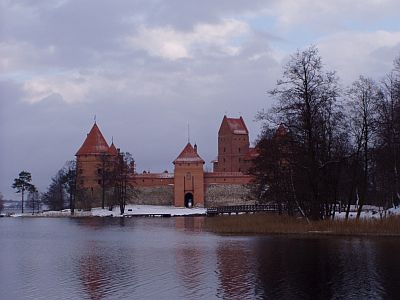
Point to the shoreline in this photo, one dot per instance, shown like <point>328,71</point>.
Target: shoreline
<point>131,210</point>
<point>267,224</point>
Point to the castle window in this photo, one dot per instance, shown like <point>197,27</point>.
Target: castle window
<point>224,149</point>
<point>81,181</point>
<point>80,171</point>
<point>240,170</point>
<point>240,160</point>
<point>99,181</point>
<point>239,149</point>
<point>99,171</point>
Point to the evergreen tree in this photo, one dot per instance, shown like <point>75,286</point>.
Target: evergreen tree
<point>22,184</point>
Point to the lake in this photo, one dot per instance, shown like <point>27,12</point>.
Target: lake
<point>174,258</point>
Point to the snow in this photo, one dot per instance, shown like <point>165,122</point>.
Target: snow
<point>130,210</point>
<point>369,212</point>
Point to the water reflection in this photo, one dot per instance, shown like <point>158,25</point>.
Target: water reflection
<point>324,268</point>
<point>173,258</point>
<point>235,268</point>
<point>93,274</point>
<point>193,224</point>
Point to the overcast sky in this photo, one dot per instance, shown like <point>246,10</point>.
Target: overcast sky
<point>147,68</point>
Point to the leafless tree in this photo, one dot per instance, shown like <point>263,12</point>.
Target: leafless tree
<point>1,202</point>
<point>307,106</point>
<point>364,95</point>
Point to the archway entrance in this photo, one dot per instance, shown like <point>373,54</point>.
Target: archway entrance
<point>189,200</point>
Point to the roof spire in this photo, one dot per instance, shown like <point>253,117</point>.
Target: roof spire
<point>112,139</point>
<point>188,128</point>
<point>94,118</point>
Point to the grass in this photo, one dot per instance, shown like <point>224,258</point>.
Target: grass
<point>275,224</point>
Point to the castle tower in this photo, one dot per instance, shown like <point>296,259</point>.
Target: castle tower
<point>233,146</point>
<point>91,160</point>
<point>189,178</point>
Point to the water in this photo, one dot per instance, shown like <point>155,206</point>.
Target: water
<point>173,258</point>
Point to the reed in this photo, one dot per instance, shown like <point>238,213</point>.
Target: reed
<point>275,224</point>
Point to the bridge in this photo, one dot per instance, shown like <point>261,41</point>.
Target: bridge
<point>236,209</point>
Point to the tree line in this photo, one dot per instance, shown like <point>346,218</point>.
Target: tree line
<point>334,146</point>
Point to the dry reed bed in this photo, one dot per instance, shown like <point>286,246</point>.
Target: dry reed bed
<point>275,224</point>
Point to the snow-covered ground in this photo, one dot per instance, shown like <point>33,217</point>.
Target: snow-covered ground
<point>130,210</point>
<point>369,212</point>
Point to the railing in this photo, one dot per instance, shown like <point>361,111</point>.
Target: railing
<point>244,209</point>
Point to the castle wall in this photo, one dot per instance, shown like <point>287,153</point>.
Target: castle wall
<point>154,195</point>
<point>227,194</point>
<point>226,178</point>
<point>153,179</point>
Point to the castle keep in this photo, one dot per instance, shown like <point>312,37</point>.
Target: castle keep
<point>189,185</point>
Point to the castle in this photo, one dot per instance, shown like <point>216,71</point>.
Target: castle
<point>189,185</point>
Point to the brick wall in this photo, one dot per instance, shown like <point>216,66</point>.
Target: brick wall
<point>154,195</point>
<point>227,194</point>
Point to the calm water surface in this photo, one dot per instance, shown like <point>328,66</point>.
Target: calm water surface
<point>173,258</point>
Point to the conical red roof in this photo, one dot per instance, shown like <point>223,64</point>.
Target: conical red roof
<point>113,150</point>
<point>94,143</point>
<point>188,154</point>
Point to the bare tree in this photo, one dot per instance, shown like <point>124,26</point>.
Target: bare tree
<point>33,200</point>
<point>69,182</point>
<point>123,172</point>
<point>307,106</point>
<point>364,95</point>
<point>106,166</point>
<point>55,197</point>
<point>1,202</point>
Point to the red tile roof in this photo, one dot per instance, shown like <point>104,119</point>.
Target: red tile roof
<point>188,154</point>
<point>237,125</point>
<point>253,153</point>
<point>94,143</point>
<point>113,150</point>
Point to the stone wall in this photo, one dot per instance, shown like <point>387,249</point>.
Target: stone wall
<point>227,194</point>
<point>155,195</point>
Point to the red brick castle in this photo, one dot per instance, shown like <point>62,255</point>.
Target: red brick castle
<point>189,185</point>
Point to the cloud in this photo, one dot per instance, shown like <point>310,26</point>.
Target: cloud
<point>330,15</point>
<point>173,44</point>
<point>355,53</point>
<point>147,67</point>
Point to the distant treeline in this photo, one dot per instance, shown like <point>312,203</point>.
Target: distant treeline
<point>333,145</point>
